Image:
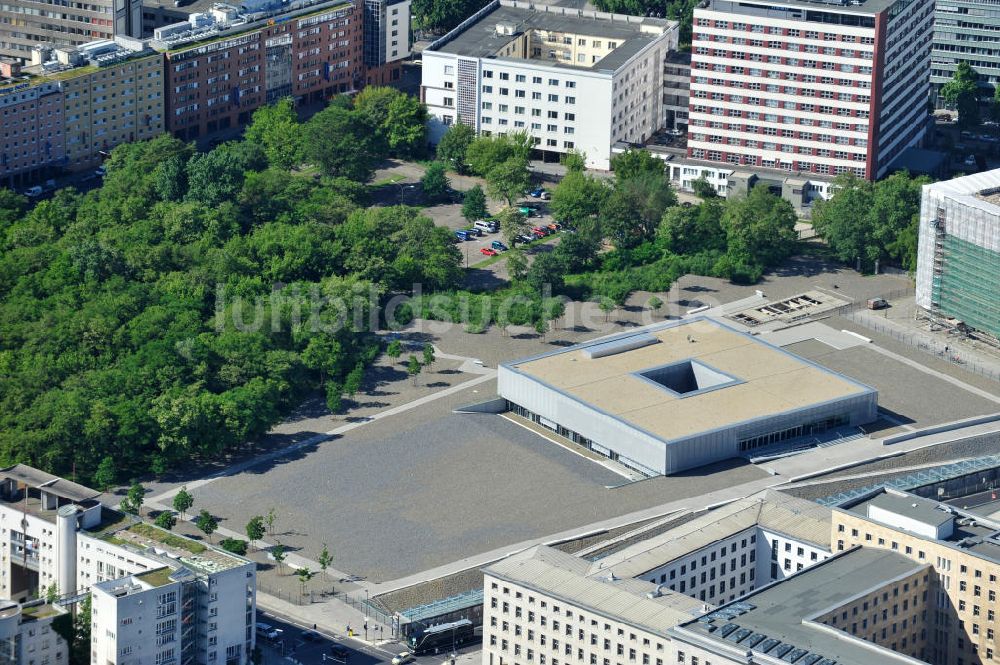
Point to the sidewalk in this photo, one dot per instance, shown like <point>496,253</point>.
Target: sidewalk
<point>333,617</point>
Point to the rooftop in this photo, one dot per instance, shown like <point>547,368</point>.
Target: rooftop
<point>796,7</point>
<point>798,518</point>
<point>172,549</point>
<point>971,533</point>
<point>479,37</point>
<point>563,576</point>
<point>979,190</point>
<point>781,613</point>
<point>40,611</point>
<point>749,380</point>
<point>35,478</point>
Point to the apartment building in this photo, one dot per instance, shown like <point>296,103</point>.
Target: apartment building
<point>862,607</point>
<point>222,65</point>
<point>33,143</point>
<point>56,537</point>
<point>962,551</point>
<point>676,90</point>
<point>541,607</point>
<point>26,23</point>
<point>958,252</point>
<point>76,104</point>
<point>33,633</point>
<point>809,87</point>
<point>572,79</point>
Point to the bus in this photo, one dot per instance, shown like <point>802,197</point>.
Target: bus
<point>443,636</point>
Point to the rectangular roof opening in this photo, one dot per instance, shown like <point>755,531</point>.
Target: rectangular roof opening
<point>687,377</point>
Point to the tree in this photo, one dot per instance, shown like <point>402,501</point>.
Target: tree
<point>574,161</point>
<point>183,501</point>
<point>276,129</point>
<point>453,145</point>
<point>353,380</point>
<point>435,183</point>
<point>106,475</point>
<point>512,224</point>
<point>962,94</point>
<point>606,305</point>
<point>398,120</point>
<point>508,180</point>
<point>325,559</point>
<point>278,554</point>
<point>428,354</point>
<point>486,152</point>
<point>474,204</point>
<point>654,304</point>
<point>760,232</point>
<point>255,529</point>
<point>688,231</point>
<point>166,520</point>
<point>413,368</point>
<point>703,188</point>
<point>334,397</point>
<point>80,648</point>
<point>632,214</point>
<point>339,142</point>
<point>578,251</point>
<point>634,163</point>
<point>52,593</point>
<point>304,575</point>
<point>206,523</point>
<point>546,274</point>
<point>217,177</point>
<point>270,519</point>
<point>234,545</point>
<point>394,349</point>
<point>517,265</point>
<point>132,503</point>
<point>577,197</point>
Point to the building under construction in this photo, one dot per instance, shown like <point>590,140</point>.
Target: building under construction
<point>958,261</point>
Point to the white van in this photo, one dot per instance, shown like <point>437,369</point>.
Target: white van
<point>487,225</point>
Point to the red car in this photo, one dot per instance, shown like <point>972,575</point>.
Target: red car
<point>541,229</point>
<point>488,252</point>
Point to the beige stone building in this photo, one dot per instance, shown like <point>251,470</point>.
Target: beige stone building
<point>963,552</point>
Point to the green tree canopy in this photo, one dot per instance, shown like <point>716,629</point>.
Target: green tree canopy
<point>508,180</point>
<point>634,163</point>
<point>577,197</point>
<point>486,152</point>
<point>760,231</point>
<point>962,93</point>
<point>435,182</point>
<point>474,204</point>
<point>276,129</point>
<point>452,147</point>
<point>341,142</point>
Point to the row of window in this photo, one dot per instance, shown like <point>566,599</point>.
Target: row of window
<point>785,32</point>
<point>777,60</point>
<point>739,159</point>
<point>522,94</point>
<point>518,78</point>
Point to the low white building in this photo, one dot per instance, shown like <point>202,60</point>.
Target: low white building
<point>681,394</point>
<point>572,79</point>
<point>55,536</point>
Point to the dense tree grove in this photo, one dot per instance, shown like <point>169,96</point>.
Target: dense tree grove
<point>872,221</point>
<point>178,311</point>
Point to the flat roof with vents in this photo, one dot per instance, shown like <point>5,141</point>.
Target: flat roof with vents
<point>677,380</point>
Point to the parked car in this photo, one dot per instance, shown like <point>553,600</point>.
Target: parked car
<point>100,172</point>
<point>340,653</point>
<point>463,235</point>
<point>544,230</point>
<point>488,225</point>
<point>403,658</point>
<point>34,192</point>
<point>524,237</point>
<point>499,246</point>
<point>311,636</point>
<point>538,233</point>
<point>555,226</point>
<point>488,251</point>
<point>877,303</point>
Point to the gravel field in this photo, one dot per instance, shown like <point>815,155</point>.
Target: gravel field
<point>425,488</point>
<point>907,393</point>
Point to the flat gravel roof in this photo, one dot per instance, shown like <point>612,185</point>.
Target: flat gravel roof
<point>767,380</point>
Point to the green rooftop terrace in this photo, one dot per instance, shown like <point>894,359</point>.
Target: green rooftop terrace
<point>156,578</point>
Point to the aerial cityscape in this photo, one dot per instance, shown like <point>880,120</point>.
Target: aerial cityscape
<point>499,332</point>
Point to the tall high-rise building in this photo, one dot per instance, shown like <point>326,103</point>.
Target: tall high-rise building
<point>809,87</point>
<point>26,23</point>
<point>387,38</point>
<point>964,31</point>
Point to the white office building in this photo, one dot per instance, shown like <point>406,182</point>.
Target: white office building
<point>572,79</point>
<point>157,597</point>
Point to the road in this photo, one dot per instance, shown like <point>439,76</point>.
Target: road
<point>298,643</point>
